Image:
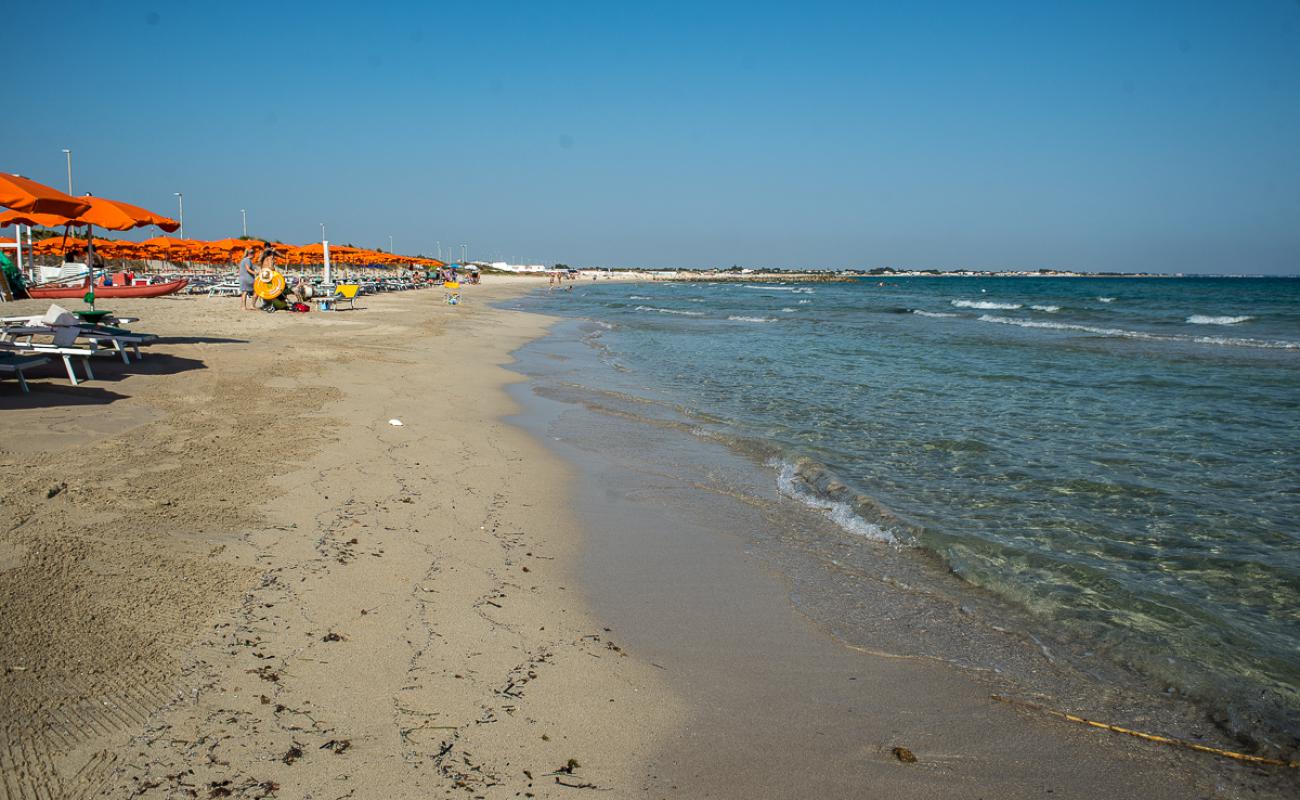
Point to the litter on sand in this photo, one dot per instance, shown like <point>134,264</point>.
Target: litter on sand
<point>395,423</point>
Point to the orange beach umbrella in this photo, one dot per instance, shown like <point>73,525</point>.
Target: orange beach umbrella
<point>33,218</point>
<point>25,194</point>
<point>111,214</point>
<point>118,216</point>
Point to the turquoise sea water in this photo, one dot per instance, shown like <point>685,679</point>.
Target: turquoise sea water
<point>1118,457</point>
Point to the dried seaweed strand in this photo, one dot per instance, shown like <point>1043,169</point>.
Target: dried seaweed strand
<point>1150,737</point>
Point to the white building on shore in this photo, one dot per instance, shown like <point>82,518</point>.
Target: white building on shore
<point>517,268</point>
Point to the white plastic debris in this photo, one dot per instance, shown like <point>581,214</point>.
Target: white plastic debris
<point>397,423</point>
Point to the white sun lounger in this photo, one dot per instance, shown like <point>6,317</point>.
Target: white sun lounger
<point>16,363</point>
<point>118,339</point>
<point>62,348</point>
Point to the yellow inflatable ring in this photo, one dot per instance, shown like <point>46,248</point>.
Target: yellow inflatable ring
<point>451,284</point>
<point>269,284</point>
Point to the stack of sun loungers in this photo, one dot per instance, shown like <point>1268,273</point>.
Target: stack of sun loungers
<point>27,342</point>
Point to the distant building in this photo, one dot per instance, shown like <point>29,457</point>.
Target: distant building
<point>518,268</point>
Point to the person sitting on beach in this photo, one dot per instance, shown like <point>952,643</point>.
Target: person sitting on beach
<point>300,293</point>
<point>95,262</point>
<point>246,277</point>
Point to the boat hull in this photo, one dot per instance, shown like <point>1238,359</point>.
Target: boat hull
<point>65,292</point>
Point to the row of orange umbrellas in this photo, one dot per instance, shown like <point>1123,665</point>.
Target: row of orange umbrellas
<point>33,203</point>
<point>224,251</point>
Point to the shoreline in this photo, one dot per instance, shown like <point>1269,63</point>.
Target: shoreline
<point>666,463</point>
<point>426,608</point>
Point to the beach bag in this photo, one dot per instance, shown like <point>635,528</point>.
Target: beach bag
<point>301,307</point>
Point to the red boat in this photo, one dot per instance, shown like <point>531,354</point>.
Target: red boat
<point>65,292</point>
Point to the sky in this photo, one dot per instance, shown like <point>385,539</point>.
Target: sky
<point>1128,136</point>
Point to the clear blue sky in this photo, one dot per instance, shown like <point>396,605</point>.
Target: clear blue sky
<point>1096,135</point>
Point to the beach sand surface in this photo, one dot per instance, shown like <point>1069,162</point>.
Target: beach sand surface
<point>224,573</point>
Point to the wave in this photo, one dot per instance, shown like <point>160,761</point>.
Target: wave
<point>793,289</point>
<point>670,311</point>
<point>1048,309</point>
<point>1106,299</point>
<point>1201,319</point>
<point>1225,341</point>
<point>741,318</point>
<point>638,297</point>
<point>811,484</point>
<point>804,302</point>
<point>921,313</point>
<point>986,305</point>
<point>789,310</point>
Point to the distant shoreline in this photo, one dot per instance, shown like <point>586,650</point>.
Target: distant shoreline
<point>845,276</point>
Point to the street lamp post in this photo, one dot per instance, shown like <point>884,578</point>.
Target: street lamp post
<point>180,199</point>
<point>244,213</point>
<point>464,253</point>
<point>390,244</point>
<point>68,153</point>
<point>322,231</point>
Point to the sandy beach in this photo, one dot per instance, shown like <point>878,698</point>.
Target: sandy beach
<point>225,572</point>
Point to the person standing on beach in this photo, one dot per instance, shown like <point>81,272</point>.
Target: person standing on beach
<point>246,277</point>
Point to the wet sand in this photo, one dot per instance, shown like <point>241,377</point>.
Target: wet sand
<point>225,574</point>
<point>780,707</point>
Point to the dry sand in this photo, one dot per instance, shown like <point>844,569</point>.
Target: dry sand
<point>248,579</point>
<point>223,573</point>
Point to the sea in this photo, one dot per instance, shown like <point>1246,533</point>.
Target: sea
<point>1104,471</point>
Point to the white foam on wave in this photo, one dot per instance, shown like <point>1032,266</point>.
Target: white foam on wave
<point>986,305</point>
<point>1201,319</point>
<point>794,289</point>
<point>638,297</point>
<point>1048,309</point>
<point>1226,341</point>
<point>1106,299</point>
<point>804,302</point>
<point>743,318</point>
<point>936,314</point>
<point>787,482</point>
<point>695,300</point>
<point>670,311</point>
<point>789,310</point>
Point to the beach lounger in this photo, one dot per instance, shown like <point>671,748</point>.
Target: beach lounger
<point>344,292</point>
<point>35,319</point>
<point>64,328</point>
<point>119,340</point>
<point>65,353</point>
<point>16,363</point>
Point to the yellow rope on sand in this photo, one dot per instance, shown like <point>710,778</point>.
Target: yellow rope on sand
<point>1150,737</point>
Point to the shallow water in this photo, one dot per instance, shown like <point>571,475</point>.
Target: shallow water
<point>1119,459</point>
